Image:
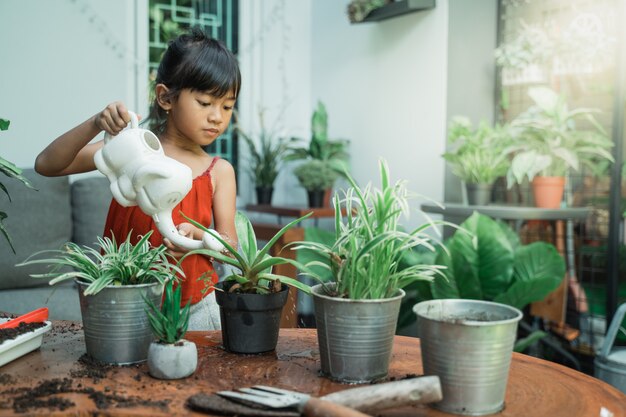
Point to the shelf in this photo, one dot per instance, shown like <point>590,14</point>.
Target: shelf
<point>398,8</point>
<point>509,212</point>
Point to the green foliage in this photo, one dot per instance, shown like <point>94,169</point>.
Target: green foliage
<point>359,9</point>
<point>548,142</point>
<point>110,264</point>
<point>307,256</point>
<point>364,256</point>
<point>316,175</point>
<point>169,323</point>
<point>477,156</point>
<point>265,158</point>
<point>10,170</point>
<point>320,147</point>
<point>254,264</point>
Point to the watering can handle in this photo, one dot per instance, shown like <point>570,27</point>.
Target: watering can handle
<point>613,328</point>
<point>134,124</point>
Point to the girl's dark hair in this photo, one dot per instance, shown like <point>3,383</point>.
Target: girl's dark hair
<point>196,61</point>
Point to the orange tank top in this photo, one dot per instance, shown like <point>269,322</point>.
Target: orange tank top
<point>197,205</point>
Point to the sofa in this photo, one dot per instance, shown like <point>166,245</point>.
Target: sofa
<point>61,209</point>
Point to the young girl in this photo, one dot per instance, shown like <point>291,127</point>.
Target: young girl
<point>197,83</point>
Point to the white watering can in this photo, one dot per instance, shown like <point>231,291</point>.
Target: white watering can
<point>610,364</point>
<point>142,175</point>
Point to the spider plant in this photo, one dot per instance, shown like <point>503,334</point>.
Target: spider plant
<point>109,264</point>
<point>169,323</point>
<point>254,264</point>
<point>364,259</point>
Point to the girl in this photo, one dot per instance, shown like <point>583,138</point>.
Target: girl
<point>197,84</point>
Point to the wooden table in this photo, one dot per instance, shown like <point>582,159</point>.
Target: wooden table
<point>536,387</point>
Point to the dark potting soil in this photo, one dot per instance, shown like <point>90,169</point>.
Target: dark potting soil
<point>12,333</point>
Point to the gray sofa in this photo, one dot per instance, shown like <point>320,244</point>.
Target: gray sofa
<point>59,211</point>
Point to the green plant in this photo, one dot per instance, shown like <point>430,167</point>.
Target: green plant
<point>547,141</point>
<point>477,156</point>
<point>169,323</point>
<point>333,152</point>
<point>315,175</point>
<point>266,157</point>
<point>254,264</point>
<point>110,264</point>
<point>10,170</point>
<point>364,257</point>
<point>359,9</point>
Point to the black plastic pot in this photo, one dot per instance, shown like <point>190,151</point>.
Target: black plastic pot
<point>316,198</point>
<point>264,195</point>
<point>250,322</point>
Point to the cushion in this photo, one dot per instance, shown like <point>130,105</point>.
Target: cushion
<point>36,220</point>
<point>91,198</point>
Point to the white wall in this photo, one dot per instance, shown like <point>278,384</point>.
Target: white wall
<point>61,62</point>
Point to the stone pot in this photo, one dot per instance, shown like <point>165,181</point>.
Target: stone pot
<point>172,360</point>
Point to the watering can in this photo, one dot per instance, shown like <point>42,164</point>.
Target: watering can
<point>142,175</point>
<point>610,364</point>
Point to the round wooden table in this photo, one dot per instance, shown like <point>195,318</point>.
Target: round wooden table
<point>54,380</point>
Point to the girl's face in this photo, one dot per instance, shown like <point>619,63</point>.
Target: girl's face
<point>200,117</point>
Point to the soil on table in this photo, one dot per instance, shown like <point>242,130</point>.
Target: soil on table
<point>12,333</point>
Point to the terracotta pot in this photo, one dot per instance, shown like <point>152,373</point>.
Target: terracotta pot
<point>548,191</point>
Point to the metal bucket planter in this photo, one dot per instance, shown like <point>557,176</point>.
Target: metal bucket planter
<point>478,194</point>
<point>250,322</point>
<point>115,322</point>
<point>468,344</point>
<point>610,364</point>
<point>355,337</point>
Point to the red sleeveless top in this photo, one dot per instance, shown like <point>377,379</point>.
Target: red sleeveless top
<point>197,205</point>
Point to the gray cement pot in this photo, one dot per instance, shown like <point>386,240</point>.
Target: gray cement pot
<point>115,322</point>
<point>355,337</point>
<point>172,361</point>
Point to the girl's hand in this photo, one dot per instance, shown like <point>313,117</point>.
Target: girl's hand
<point>184,229</point>
<point>113,118</point>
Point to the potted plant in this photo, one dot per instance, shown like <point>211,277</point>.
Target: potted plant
<point>251,298</point>
<point>356,314</point>
<point>477,156</point>
<point>316,176</point>
<point>548,144</point>
<point>320,148</point>
<point>10,170</point>
<point>113,280</point>
<point>266,158</point>
<point>170,356</point>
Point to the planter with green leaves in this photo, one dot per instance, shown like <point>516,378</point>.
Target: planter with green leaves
<point>266,159</point>
<point>477,156</point>
<point>356,314</point>
<point>170,356</point>
<point>10,170</point>
<point>332,154</point>
<point>547,142</point>
<point>251,299</point>
<point>316,176</point>
<point>113,281</point>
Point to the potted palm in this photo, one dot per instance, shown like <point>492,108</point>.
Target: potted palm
<point>113,280</point>
<point>477,156</point>
<point>251,298</point>
<point>266,158</point>
<point>548,144</point>
<point>356,313</point>
<point>333,153</point>
<point>170,356</point>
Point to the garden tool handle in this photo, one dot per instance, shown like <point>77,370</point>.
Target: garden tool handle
<point>35,316</point>
<point>612,333</point>
<point>314,407</point>
<point>376,397</point>
<point>134,123</point>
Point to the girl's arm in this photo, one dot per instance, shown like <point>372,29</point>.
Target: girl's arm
<point>71,152</point>
<point>224,201</point>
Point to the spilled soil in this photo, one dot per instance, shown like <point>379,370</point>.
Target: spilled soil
<point>12,333</point>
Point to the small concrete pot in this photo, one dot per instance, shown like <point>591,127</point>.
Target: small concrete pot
<point>172,361</point>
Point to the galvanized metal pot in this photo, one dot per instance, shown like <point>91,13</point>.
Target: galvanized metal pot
<point>468,344</point>
<point>355,337</point>
<point>610,364</point>
<point>115,322</point>
<point>250,322</point>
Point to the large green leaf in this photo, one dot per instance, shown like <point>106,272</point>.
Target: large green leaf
<point>304,255</point>
<point>445,287</point>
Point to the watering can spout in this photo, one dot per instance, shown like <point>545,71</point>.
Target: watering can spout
<point>142,175</point>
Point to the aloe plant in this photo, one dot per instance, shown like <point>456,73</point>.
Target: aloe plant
<point>169,323</point>
<point>109,264</point>
<point>254,264</point>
